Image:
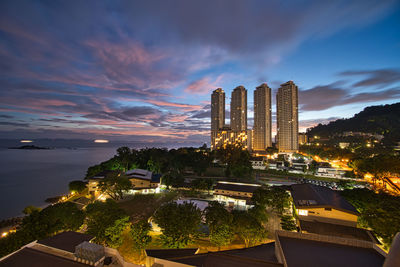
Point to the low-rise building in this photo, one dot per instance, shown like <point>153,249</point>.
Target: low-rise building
<point>329,172</point>
<point>235,195</point>
<point>290,249</point>
<point>319,203</point>
<point>93,182</point>
<point>258,163</point>
<point>143,181</point>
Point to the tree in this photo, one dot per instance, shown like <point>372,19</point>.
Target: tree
<point>379,211</point>
<point>77,186</point>
<point>248,228</point>
<point>221,235</point>
<point>113,234</point>
<point>179,223</point>
<point>102,215</point>
<point>274,197</point>
<point>288,223</point>
<point>124,155</point>
<point>30,209</point>
<point>236,159</point>
<point>216,215</point>
<point>173,179</point>
<point>114,185</point>
<point>140,235</point>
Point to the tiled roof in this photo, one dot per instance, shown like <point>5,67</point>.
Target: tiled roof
<point>66,241</point>
<point>309,195</point>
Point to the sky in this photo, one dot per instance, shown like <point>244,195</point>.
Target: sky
<point>144,71</point>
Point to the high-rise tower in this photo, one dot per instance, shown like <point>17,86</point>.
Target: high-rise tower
<point>239,109</point>
<point>217,113</point>
<point>262,118</point>
<point>287,117</point>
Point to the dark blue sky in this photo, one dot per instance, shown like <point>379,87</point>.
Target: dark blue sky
<point>144,70</point>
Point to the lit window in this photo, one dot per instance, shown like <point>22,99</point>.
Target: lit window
<point>303,212</point>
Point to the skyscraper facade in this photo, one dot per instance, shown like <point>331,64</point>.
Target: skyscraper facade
<point>217,113</point>
<point>239,109</point>
<point>262,118</point>
<point>287,117</point>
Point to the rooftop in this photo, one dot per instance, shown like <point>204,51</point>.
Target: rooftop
<point>102,175</point>
<point>304,253</point>
<point>262,255</point>
<point>337,230</point>
<point>309,195</point>
<point>239,187</point>
<point>37,258</point>
<point>66,241</point>
<point>139,174</point>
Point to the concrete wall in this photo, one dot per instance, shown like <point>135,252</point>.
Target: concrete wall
<point>332,216</point>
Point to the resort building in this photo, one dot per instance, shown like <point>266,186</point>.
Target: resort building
<point>235,195</point>
<point>287,118</point>
<point>321,204</point>
<point>262,130</point>
<point>143,181</point>
<point>93,182</point>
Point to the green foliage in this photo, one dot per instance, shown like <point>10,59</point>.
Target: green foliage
<point>237,161</point>
<point>158,160</point>
<point>77,186</point>
<point>378,211</point>
<point>288,223</point>
<point>30,209</point>
<point>113,234</point>
<point>379,166</point>
<point>125,157</point>
<point>173,179</point>
<point>383,120</point>
<point>179,223</point>
<point>42,224</point>
<point>221,235</point>
<point>248,228</point>
<point>102,215</point>
<point>274,197</point>
<point>202,184</point>
<point>140,234</point>
<point>217,215</point>
<point>114,185</point>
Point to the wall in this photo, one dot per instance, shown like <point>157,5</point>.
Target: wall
<point>332,216</point>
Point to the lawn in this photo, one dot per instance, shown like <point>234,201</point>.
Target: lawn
<point>140,207</point>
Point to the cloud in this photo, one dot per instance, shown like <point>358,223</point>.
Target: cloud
<point>382,77</point>
<point>327,96</point>
<point>17,124</point>
<point>203,85</point>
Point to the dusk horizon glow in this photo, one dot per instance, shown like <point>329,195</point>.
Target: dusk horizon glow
<point>144,71</point>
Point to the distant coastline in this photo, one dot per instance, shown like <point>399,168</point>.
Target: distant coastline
<point>30,147</point>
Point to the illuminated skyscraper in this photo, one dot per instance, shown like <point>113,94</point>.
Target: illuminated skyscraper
<point>262,118</point>
<point>217,113</point>
<point>239,109</point>
<point>287,117</point>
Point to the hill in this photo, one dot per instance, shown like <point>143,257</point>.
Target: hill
<point>384,120</point>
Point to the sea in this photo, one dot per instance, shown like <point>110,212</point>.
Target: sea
<point>28,177</point>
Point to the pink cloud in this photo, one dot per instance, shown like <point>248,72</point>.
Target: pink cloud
<point>204,85</point>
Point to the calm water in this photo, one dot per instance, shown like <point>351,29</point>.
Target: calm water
<point>28,177</point>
